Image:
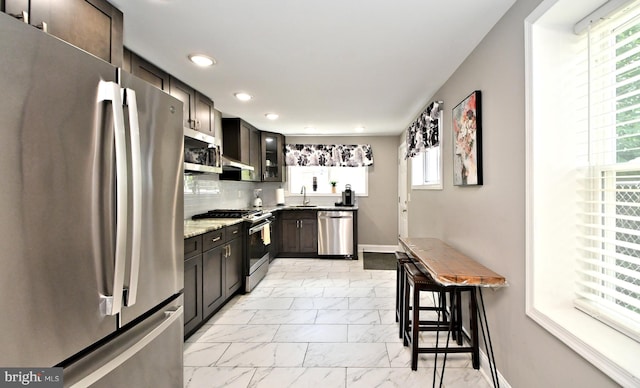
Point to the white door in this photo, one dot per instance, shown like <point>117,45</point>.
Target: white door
<point>403,220</point>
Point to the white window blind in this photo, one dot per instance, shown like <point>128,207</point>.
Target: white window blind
<point>608,285</point>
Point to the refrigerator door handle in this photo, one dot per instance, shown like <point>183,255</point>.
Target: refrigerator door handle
<point>109,366</point>
<point>110,91</point>
<point>136,179</point>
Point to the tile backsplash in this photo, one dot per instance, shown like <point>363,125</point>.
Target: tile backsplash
<point>206,192</point>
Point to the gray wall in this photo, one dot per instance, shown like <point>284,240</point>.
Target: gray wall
<point>377,214</point>
<point>488,222</point>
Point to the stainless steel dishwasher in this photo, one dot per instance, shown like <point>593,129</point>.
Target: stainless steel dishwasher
<point>335,233</point>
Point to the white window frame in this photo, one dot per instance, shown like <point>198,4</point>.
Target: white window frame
<point>551,269</point>
<point>295,191</point>
<point>427,166</point>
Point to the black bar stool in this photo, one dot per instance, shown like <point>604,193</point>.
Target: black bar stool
<point>401,259</point>
<point>416,280</point>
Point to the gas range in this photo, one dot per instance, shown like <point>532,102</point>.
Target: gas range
<point>250,215</point>
<point>257,240</point>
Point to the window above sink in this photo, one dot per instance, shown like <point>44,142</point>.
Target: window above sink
<point>298,176</point>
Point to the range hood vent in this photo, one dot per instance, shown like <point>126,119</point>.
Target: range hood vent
<point>233,170</point>
<point>229,164</point>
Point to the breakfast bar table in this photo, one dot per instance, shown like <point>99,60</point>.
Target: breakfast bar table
<point>451,268</point>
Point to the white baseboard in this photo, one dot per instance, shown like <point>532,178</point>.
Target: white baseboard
<point>377,248</point>
<point>486,371</point>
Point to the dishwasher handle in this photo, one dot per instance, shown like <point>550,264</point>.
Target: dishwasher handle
<point>334,214</point>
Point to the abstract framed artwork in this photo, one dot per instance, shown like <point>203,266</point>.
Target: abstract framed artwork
<point>467,141</point>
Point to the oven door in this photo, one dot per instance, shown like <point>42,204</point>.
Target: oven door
<point>258,243</point>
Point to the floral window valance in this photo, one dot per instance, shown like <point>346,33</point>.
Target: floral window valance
<point>424,132</point>
<point>329,155</point>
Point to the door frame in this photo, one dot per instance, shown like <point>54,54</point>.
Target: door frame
<point>403,192</point>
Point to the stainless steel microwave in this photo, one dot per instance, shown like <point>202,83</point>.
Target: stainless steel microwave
<point>201,153</point>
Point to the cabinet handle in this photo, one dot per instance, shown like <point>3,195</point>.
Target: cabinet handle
<point>216,239</point>
<point>235,232</point>
<point>24,15</point>
<point>229,249</point>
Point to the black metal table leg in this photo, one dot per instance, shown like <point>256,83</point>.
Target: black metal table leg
<point>475,341</point>
<point>484,325</point>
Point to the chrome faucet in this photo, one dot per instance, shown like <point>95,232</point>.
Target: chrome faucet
<point>303,191</point>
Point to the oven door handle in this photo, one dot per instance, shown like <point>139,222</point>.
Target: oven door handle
<point>258,228</point>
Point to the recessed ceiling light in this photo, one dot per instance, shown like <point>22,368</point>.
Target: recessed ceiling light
<point>243,96</point>
<point>271,116</point>
<point>202,60</point>
<point>359,129</point>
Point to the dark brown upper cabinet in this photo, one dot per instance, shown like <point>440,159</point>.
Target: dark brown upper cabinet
<point>141,68</point>
<point>241,141</point>
<point>198,109</point>
<point>92,25</point>
<point>272,148</point>
<point>204,114</point>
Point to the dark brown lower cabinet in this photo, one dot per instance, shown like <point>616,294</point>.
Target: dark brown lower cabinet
<point>213,289</point>
<point>233,268</point>
<point>192,293</point>
<point>212,273</point>
<point>289,235</point>
<point>308,237</point>
<point>298,233</point>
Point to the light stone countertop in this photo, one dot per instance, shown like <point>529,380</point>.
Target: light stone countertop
<point>195,227</point>
<point>273,208</point>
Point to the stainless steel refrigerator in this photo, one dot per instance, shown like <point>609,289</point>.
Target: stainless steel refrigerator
<point>91,214</point>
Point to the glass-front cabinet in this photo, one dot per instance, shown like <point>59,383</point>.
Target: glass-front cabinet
<point>273,166</point>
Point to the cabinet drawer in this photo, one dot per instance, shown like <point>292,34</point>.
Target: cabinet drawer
<point>213,239</point>
<point>233,231</point>
<point>299,214</point>
<point>192,246</point>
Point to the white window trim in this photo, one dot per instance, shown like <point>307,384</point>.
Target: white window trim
<point>436,185</point>
<point>609,350</point>
<point>428,186</point>
<point>311,193</point>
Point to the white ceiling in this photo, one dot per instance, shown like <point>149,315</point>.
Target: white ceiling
<point>328,64</point>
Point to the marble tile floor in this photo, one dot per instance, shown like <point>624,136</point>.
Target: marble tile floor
<point>315,322</point>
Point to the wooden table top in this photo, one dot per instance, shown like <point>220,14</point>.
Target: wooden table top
<point>448,266</point>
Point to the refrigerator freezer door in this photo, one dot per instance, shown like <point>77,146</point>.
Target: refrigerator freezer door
<point>56,203</point>
<point>148,355</point>
<point>160,271</point>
